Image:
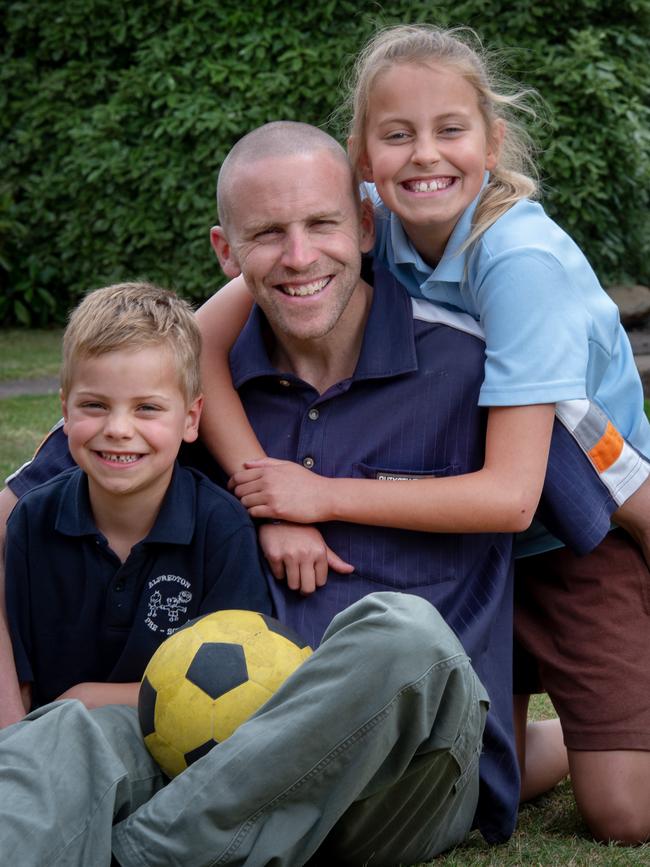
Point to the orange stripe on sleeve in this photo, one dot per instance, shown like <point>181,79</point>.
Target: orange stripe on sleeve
<point>607,450</point>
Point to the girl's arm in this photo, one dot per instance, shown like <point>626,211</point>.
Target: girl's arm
<point>225,429</point>
<point>500,497</point>
<point>298,554</point>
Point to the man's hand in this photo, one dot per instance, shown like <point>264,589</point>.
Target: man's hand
<point>281,490</point>
<point>299,555</point>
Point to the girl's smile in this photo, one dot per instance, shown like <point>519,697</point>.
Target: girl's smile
<point>426,149</point>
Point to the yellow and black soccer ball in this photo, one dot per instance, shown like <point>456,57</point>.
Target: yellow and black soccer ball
<point>210,677</point>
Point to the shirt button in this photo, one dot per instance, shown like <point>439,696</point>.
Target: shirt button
<point>119,587</point>
<point>308,462</point>
<point>313,414</point>
<point>285,383</point>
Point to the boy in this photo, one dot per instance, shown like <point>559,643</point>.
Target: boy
<point>108,559</point>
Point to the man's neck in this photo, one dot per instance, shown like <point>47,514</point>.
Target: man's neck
<point>325,361</point>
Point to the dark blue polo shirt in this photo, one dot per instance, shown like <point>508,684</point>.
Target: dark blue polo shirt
<point>409,411</point>
<point>78,614</point>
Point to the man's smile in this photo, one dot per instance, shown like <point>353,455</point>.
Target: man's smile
<point>313,287</point>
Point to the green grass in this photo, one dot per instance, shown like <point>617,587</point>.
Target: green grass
<point>29,354</point>
<point>24,421</point>
<point>549,832</point>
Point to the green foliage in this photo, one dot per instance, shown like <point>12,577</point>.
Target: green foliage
<point>115,117</point>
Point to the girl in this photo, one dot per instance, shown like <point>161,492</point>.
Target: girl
<point>456,225</point>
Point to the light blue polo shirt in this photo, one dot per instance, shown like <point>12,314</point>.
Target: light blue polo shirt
<point>551,332</point>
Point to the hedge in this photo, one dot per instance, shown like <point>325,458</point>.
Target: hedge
<point>115,117</point>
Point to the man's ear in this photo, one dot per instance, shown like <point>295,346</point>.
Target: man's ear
<point>222,248</point>
<point>367,233</point>
<point>363,169</point>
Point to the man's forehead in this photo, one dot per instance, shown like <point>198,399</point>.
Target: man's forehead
<point>297,187</point>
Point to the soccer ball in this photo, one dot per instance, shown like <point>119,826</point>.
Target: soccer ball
<point>208,678</point>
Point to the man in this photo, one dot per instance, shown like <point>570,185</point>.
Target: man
<point>370,751</point>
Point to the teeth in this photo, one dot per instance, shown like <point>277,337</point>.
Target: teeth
<point>306,288</point>
<point>429,186</point>
<point>119,459</point>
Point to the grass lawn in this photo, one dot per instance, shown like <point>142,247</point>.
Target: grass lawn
<point>550,832</point>
<point>23,423</point>
<point>25,420</point>
<point>29,354</point>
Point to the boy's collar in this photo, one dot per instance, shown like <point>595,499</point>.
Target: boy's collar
<point>174,524</point>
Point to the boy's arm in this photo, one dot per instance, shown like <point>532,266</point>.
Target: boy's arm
<point>99,694</point>
<point>225,429</point>
<point>11,707</point>
<point>500,497</point>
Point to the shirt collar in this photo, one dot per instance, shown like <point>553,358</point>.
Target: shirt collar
<point>174,524</point>
<point>451,267</point>
<point>74,516</point>
<point>388,347</point>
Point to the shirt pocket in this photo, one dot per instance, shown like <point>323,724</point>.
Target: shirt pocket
<point>407,560</point>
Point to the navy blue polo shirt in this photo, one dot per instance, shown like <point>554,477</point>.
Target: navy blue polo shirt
<point>411,411</point>
<point>78,614</point>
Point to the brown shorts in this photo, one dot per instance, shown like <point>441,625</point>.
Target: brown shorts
<point>585,622</point>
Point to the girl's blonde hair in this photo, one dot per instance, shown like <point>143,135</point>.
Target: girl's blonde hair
<point>515,175</point>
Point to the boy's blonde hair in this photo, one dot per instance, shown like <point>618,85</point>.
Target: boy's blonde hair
<point>515,175</point>
<point>131,316</point>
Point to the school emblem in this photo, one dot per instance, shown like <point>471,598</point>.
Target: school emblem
<point>169,603</point>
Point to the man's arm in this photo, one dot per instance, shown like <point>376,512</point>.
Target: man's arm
<point>11,706</point>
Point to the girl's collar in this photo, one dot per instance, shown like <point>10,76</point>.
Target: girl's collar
<point>451,267</point>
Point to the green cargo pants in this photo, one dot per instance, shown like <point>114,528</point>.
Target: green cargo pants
<point>368,753</point>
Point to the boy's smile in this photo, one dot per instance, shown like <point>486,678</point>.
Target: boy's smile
<point>126,417</point>
<point>426,150</point>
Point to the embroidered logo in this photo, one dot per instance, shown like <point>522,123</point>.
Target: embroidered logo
<point>397,477</point>
<point>168,603</point>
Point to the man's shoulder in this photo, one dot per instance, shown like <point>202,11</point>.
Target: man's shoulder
<point>51,458</point>
<point>435,314</point>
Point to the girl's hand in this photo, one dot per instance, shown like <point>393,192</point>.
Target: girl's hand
<point>282,490</point>
<point>300,555</point>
